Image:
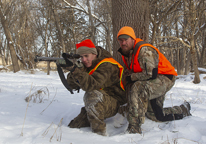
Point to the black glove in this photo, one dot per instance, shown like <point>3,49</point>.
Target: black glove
<point>73,69</point>
<point>128,79</point>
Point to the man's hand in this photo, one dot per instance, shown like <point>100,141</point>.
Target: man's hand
<point>127,77</point>
<point>127,72</point>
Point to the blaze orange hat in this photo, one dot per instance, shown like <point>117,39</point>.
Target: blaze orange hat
<point>86,47</point>
<point>126,30</point>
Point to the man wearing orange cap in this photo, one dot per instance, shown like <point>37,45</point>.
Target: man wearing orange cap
<point>100,78</point>
<point>149,77</point>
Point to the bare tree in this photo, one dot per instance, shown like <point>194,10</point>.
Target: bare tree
<point>186,23</point>
<point>104,11</point>
<point>53,9</point>
<point>203,53</point>
<point>160,10</point>
<point>134,13</point>
<point>99,24</point>
<point>5,24</point>
<point>50,27</point>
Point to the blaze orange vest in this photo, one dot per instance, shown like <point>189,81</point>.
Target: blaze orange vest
<point>112,61</point>
<point>164,66</point>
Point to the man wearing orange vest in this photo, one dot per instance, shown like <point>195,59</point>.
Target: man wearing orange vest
<point>149,77</point>
<point>100,78</point>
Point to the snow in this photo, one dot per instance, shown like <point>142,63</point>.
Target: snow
<point>46,118</point>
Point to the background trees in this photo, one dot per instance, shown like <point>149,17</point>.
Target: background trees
<point>6,18</point>
<point>50,27</point>
<point>130,13</point>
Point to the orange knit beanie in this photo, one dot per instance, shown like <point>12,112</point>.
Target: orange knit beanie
<point>126,30</point>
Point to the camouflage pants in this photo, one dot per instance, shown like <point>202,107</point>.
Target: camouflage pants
<point>98,107</point>
<point>147,98</point>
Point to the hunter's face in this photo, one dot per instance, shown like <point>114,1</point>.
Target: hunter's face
<point>126,44</point>
<point>87,59</point>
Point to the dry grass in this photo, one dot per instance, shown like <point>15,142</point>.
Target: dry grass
<point>175,141</point>
<point>57,128</point>
<point>38,95</point>
<point>49,103</point>
<point>26,111</point>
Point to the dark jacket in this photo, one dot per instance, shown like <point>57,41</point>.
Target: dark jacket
<point>106,76</point>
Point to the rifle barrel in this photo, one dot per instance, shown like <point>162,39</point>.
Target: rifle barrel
<point>54,59</point>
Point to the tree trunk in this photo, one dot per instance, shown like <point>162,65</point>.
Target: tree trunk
<point>4,23</point>
<point>109,46</point>
<point>187,65</point>
<point>2,53</point>
<point>91,24</point>
<point>57,24</point>
<point>46,46</point>
<point>134,13</point>
<point>192,20</point>
<point>202,58</point>
<point>178,61</point>
<point>194,62</point>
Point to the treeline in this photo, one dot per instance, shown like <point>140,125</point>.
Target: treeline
<point>50,27</point>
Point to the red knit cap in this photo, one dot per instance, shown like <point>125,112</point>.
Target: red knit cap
<point>126,30</point>
<point>86,47</point>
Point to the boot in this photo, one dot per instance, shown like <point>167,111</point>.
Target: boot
<point>123,110</point>
<point>132,129</point>
<point>185,109</point>
<point>81,120</point>
<point>100,132</point>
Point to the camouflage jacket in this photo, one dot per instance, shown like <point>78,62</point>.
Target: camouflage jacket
<point>106,76</point>
<point>148,59</point>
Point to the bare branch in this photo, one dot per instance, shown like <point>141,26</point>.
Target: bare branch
<point>175,40</point>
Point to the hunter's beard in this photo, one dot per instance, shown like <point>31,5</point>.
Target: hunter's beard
<point>125,50</point>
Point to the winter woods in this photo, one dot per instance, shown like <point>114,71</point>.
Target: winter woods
<point>50,27</point>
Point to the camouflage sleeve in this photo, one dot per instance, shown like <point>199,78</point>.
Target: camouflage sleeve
<point>95,81</point>
<point>148,59</point>
<point>71,82</point>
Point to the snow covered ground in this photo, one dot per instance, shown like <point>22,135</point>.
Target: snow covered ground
<point>44,119</point>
